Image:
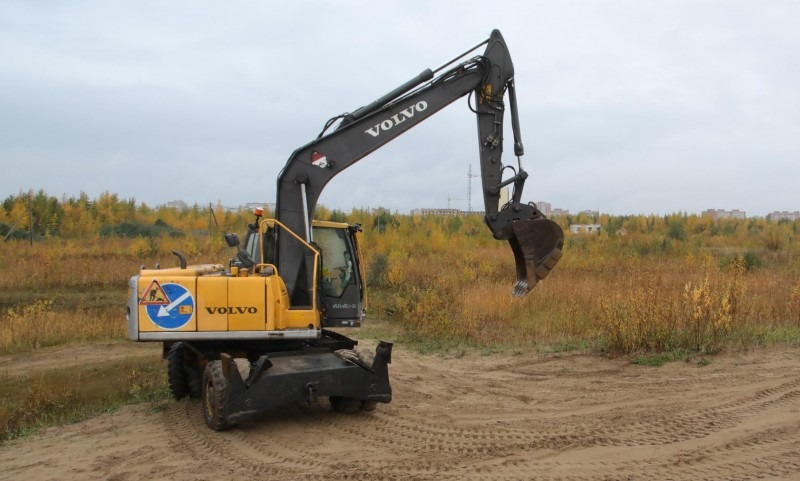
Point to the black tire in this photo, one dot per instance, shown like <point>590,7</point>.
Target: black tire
<point>183,374</point>
<point>369,406</point>
<point>214,397</point>
<point>177,377</point>
<point>195,382</point>
<point>345,405</point>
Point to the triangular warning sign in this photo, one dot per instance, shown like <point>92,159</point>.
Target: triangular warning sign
<point>154,295</point>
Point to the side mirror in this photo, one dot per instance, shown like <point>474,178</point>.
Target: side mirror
<point>232,240</point>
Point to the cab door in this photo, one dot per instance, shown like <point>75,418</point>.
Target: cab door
<point>340,284</point>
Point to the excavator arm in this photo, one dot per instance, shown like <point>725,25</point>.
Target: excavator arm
<point>535,240</point>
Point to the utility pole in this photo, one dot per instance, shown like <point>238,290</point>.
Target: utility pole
<point>212,217</point>
<point>470,175</point>
<point>30,214</point>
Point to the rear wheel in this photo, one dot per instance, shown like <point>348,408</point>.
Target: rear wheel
<point>176,374</point>
<point>214,397</point>
<point>183,374</point>
<point>345,405</point>
<point>195,382</point>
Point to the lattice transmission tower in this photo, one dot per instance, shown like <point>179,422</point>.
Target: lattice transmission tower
<point>470,175</point>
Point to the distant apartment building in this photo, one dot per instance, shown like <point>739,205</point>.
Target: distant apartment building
<point>545,207</point>
<point>585,228</point>
<point>249,206</point>
<point>725,214</point>
<point>177,204</point>
<point>437,212</point>
<point>784,215</point>
<point>589,213</point>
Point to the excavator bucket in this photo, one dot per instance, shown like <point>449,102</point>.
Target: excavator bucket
<point>537,245</point>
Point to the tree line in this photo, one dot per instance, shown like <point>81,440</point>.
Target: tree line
<point>109,215</point>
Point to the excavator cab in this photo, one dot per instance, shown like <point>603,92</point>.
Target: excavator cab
<point>339,286</point>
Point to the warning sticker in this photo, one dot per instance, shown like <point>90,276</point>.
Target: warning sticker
<point>176,312</point>
<point>154,295</point>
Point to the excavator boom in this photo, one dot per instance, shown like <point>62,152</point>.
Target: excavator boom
<point>535,241</point>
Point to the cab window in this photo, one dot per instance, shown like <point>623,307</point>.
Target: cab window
<point>252,246</point>
<point>337,260</point>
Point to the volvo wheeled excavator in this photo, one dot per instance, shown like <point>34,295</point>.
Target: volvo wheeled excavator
<point>255,334</point>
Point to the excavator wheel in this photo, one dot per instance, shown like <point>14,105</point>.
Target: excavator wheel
<point>369,406</point>
<point>182,379</point>
<point>195,383</point>
<point>215,397</point>
<point>345,405</point>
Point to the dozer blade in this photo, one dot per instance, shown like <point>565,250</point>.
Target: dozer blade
<point>537,245</point>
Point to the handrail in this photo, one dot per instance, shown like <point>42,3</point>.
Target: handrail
<point>361,269</point>
<point>271,223</point>
<point>261,265</point>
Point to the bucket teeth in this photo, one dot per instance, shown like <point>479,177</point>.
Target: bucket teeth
<point>537,245</point>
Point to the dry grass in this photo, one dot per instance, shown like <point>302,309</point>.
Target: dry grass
<point>56,396</point>
<point>41,324</point>
<point>622,294</point>
<point>699,287</point>
<point>89,266</point>
<point>61,291</point>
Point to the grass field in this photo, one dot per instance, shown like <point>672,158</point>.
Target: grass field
<point>654,288</point>
<point>59,395</point>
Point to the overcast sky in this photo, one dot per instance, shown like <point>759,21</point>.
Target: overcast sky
<point>627,107</point>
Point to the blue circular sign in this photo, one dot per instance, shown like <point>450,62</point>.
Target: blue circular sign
<point>177,313</point>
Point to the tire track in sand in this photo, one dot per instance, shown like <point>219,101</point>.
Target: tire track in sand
<point>701,427</point>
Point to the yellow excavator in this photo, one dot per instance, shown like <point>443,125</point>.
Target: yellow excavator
<point>255,334</point>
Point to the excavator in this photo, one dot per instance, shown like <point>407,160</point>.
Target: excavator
<point>258,333</point>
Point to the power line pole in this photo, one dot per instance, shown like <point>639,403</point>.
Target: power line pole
<point>470,175</point>
<point>30,214</point>
<point>212,216</point>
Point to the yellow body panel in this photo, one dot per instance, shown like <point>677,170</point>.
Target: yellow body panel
<point>208,299</point>
<point>216,303</point>
<point>246,306</point>
<point>212,293</point>
<point>299,319</point>
<point>275,299</point>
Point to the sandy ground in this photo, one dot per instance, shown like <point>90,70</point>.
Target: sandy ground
<point>529,416</point>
